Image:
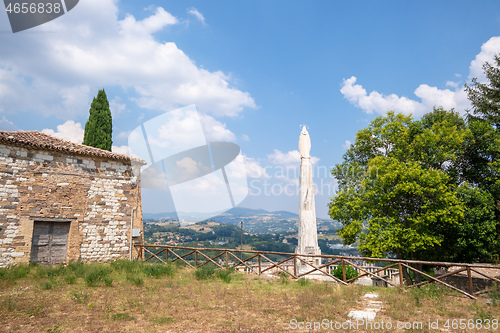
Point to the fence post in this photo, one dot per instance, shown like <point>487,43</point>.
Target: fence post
<point>295,265</point>
<point>401,281</point>
<point>227,261</point>
<point>195,259</point>
<point>260,267</point>
<point>469,277</point>
<point>343,270</point>
<point>166,255</point>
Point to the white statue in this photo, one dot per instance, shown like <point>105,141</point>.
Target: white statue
<point>308,234</point>
<point>304,143</point>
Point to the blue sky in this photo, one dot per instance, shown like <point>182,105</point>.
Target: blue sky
<point>256,71</point>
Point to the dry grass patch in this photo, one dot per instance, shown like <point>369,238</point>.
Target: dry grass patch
<point>173,299</point>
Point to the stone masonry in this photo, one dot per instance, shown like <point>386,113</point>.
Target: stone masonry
<point>43,178</point>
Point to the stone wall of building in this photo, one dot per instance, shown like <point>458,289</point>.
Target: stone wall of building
<point>97,195</point>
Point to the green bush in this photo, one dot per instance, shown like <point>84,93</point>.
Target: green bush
<point>204,272</point>
<point>350,272</point>
<point>18,271</point>
<point>77,267</point>
<point>137,280</point>
<point>495,294</point>
<point>46,285</point>
<point>4,272</point>
<point>284,278</point>
<point>224,274</point>
<point>70,279</point>
<point>80,297</point>
<point>158,270</point>
<point>127,265</point>
<point>303,282</point>
<point>95,274</point>
<point>108,281</point>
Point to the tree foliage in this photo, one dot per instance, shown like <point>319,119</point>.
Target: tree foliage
<point>485,97</point>
<point>99,128</point>
<point>404,191</point>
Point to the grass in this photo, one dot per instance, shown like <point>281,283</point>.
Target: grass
<point>125,296</point>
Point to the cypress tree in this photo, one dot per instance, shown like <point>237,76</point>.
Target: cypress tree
<point>99,127</point>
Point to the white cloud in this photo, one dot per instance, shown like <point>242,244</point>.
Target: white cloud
<point>149,25</point>
<point>197,14</point>
<point>290,158</point>
<point>253,168</point>
<point>120,149</point>
<point>487,54</point>
<point>116,107</point>
<point>123,134</point>
<point>377,102</point>
<point>179,128</point>
<point>70,131</point>
<point>189,168</point>
<point>347,144</point>
<point>91,49</point>
<point>429,96</point>
<point>245,137</point>
<point>7,125</point>
<point>215,130</point>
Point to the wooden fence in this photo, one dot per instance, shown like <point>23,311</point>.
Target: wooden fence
<point>259,262</point>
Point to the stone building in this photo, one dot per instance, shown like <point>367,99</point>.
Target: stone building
<point>61,201</point>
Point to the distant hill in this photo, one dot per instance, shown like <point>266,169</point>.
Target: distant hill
<point>171,215</point>
<point>255,220</point>
<point>244,212</point>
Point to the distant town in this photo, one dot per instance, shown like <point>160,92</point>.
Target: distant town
<point>262,231</point>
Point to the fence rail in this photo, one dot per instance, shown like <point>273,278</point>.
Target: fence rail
<point>396,273</point>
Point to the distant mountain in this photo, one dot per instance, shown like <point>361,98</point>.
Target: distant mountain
<point>285,214</point>
<point>171,215</point>
<point>255,220</point>
<point>244,212</point>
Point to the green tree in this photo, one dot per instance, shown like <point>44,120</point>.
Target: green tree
<point>400,210</point>
<point>485,97</point>
<point>483,155</point>
<point>403,190</point>
<point>99,127</point>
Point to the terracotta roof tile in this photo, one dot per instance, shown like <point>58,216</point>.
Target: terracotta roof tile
<point>35,139</point>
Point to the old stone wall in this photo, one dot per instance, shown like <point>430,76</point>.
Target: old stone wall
<point>96,195</point>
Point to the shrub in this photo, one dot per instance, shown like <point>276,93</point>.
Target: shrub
<point>204,272</point>
<point>77,267</point>
<point>47,285</point>
<point>224,275</point>
<point>108,281</point>
<point>40,271</point>
<point>137,280</point>
<point>284,278</point>
<point>303,282</point>
<point>80,297</point>
<point>95,274</point>
<point>495,294</point>
<point>158,270</point>
<point>18,271</point>
<point>350,272</point>
<point>70,279</point>
<point>127,265</point>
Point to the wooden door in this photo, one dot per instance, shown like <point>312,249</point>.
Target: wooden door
<point>50,242</point>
